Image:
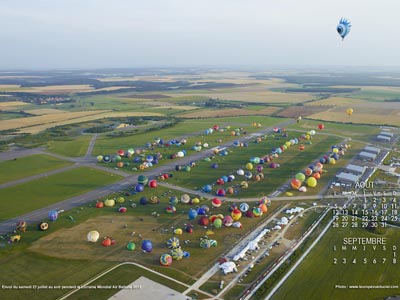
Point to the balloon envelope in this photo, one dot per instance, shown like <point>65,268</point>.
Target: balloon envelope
<point>53,215</point>
<point>147,246</point>
<point>93,236</point>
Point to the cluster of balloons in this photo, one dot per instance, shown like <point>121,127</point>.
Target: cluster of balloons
<point>176,252</point>
<point>185,168</point>
<point>310,176</point>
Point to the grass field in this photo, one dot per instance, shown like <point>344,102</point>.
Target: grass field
<point>48,190</point>
<point>192,129</point>
<point>292,161</point>
<point>28,166</point>
<point>310,281</point>
<point>70,147</point>
<point>54,255</point>
<point>355,131</point>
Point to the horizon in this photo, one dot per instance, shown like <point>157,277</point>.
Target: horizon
<point>128,34</point>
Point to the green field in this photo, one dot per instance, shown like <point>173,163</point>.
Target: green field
<point>192,129</point>
<point>54,256</point>
<point>70,147</point>
<point>354,131</point>
<point>311,281</point>
<point>291,162</point>
<point>28,166</point>
<point>23,198</point>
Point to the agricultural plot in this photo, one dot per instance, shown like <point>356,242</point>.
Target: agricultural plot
<point>309,279</point>
<point>47,119</point>
<point>45,111</point>
<point>28,166</point>
<point>23,198</point>
<point>253,93</point>
<point>338,101</point>
<point>207,113</point>
<point>374,114</point>
<point>12,105</point>
<point>84,118</point>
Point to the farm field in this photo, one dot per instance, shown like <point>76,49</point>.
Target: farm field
<point>48,190</point>
<point>208,113</point>
<point>252,93</point>
<point>28,166</point>
<point>322,281</point>
<point>78,117</point>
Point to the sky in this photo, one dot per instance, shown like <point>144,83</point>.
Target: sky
<point>51,34</point>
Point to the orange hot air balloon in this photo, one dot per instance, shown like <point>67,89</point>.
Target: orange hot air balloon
<point>295,183</point>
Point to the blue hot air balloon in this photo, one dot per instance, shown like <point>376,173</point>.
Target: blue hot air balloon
<point>343,27</point>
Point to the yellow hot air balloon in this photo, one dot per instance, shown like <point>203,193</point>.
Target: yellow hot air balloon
<point>349,111</point>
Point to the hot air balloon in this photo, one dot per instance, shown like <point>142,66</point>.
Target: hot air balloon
<point>173,243</point>
<point>295,184</point>
<point>216,202</point>
<point>244,207</point>
<point>53,215</point>
<point>147,246</point>
<point>165,260</point>
<point>236,214</point>
<point>192,214</point>
<point>177,254</point>
<point>93,236</point>
<point>43,226</point>
<point>131,246</point>
<point>321,126</point>
<point>349,111</point>
<point>185,198</point>
<point>311,182</point>
<point>343,28</point>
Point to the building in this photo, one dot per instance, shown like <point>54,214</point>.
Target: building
<point>367,155</point>
<point>385,133</point>
<point>371,149</point>
<point>347,177</point>
<point>354,169</point>
<point>383,138</point>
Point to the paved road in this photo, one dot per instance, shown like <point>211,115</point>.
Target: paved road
<point>34,177</point>
<point>287,254</point>
<point>8,155</point>
<point>68,204</point>
<point>91,145</point>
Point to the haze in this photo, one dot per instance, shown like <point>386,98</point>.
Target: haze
<point>122,33</point>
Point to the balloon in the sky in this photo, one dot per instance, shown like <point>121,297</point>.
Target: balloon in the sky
<point>343,27</point>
